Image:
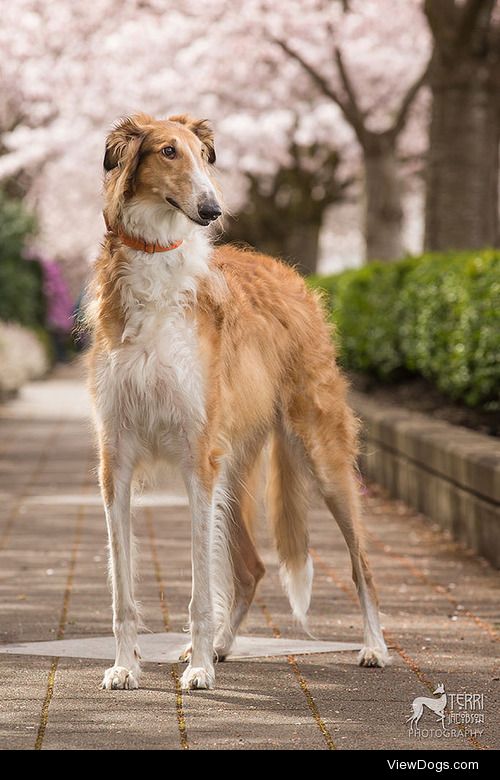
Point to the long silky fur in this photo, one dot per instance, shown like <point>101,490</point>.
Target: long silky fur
<point>199,355</point>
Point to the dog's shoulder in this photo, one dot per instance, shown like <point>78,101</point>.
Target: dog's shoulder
<point>250,271</point>
<point>250,291</point>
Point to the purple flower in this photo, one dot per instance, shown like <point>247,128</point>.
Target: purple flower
<point>59,303</point>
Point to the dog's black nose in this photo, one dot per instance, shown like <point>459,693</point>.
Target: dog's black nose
<point>209,210</point>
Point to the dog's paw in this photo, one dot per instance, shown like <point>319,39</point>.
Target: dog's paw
<point>119,678</point>
<point>374,656</point>
<point>197,678</point>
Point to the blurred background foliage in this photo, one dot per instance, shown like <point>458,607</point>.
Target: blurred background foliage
<point>21,298</point>
<point>35,303</point>
<point>437,315</point>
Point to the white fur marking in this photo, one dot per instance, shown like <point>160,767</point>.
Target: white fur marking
<point>297,584</point>
<point>375,652</point>
<point>220,555</point>
<point>153,384</point>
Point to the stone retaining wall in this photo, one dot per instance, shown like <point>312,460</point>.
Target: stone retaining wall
<point>447,472</point>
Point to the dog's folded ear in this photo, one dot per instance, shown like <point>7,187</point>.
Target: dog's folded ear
<point>121,160</point>
<point>124,142</point>
<point>202,129</point>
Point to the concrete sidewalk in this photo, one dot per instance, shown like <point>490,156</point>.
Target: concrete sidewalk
<point>439,607</point>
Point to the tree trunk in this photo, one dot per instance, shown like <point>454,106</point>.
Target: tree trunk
<point>462,166</point>
<point>301,247</point>
<point>383,199</point>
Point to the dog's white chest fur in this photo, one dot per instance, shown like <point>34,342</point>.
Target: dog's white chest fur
<point>158,368</point>
<point>154,382</point>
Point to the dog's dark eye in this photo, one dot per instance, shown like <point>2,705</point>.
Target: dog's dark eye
<point>169,152</point>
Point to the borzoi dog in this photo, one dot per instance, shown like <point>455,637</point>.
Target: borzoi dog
<point>200,355</point>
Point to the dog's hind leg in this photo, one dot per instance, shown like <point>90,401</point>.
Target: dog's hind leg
<point>244,565</point>
<point>234,562</point>
<point>327,430</point>
<point>341,496</point>
<point>116,471</point>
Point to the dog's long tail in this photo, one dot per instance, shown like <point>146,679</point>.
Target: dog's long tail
<point>287,497</point>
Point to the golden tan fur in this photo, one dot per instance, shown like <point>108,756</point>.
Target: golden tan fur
<point>273,366</point>
<point>269,368</point>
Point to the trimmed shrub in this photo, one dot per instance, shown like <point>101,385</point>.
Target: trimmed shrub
<point>365,307</point>
<point>437,315</point>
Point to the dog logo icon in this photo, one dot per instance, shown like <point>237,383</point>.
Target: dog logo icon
<point>435,705</point>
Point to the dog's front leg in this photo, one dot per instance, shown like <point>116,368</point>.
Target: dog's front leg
<point>200,671</point>
<point>116,476</point>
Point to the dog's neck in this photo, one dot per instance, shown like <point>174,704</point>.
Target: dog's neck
<point>163,279</point>
<point>157,224</point>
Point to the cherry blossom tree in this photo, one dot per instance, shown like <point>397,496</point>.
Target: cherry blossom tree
<point>377,119</point>
<point>366,59</point>
<point>274,78</point>
<point>70,69</point>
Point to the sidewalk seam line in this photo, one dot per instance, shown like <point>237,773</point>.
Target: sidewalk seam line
<point>174,669</point>
<point>51,680</point>
<point>44,717</point>
<point>292,661</point>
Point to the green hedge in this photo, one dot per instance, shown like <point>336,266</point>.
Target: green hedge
<point>437,315</point>
<point>21,297</point>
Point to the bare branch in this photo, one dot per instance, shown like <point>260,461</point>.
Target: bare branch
<point>357,120</point>
<point>318,79</point>
<point>349,109</point>
<point>407,101</point>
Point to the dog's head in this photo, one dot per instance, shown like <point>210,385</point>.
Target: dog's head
<point>166,165</point>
